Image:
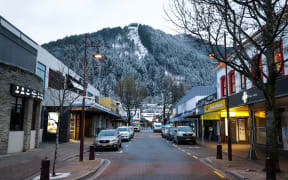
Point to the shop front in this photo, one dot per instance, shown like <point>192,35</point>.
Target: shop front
<point>254,99</point>
<point>215,122</point>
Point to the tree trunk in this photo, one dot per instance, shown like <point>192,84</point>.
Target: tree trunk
<point>56,147</point>
<point>272,133</point>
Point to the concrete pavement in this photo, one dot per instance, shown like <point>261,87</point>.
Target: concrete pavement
<point>26,165</point>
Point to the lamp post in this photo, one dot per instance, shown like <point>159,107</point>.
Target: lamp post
<point>98,56</point>
<point>212,56</point>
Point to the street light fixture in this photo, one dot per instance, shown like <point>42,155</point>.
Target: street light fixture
<point>212,56</point>
<point>97,56</point>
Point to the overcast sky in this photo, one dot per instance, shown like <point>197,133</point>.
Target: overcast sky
<point>48,20</point>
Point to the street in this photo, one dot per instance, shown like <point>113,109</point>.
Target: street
<point>148,156</point>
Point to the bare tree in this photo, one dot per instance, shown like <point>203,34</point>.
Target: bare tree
<point>61,95</point>
<point>252,54</point>
<point>131,94</point>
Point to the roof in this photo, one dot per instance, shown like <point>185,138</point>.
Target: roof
<point>197,91</point>
<point>98,107</point>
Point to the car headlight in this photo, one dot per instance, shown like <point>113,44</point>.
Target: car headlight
<point>113,140</point>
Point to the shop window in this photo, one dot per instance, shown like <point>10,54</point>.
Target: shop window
<point>17,114</point>
<point>258,63</point>
<point>34,116</point>
<point>243,81</point>
<point>223,86</point>
<point>278,57</point>
<point>260,130</point>
<point>232,85</point>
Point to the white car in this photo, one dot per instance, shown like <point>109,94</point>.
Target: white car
<point>124,133</point>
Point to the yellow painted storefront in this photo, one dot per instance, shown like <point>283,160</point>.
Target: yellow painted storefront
<point>239,120</point>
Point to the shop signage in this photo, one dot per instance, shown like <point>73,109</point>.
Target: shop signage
<point>207,100</point>
<point>249,96</point>
<point>21,91</point>
<point>216,106</point>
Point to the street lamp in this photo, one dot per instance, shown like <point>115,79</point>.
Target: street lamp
<point>97,56</point>
<point>212,56</point>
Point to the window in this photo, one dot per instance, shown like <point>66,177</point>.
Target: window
<point>258,63</point>
<point>17,114</point>
<point>232,85</point>
<point>41,72</point>
<point>223,86</point>
<point>278,57</point>
<point>56,80</point>
<point>243,81</point>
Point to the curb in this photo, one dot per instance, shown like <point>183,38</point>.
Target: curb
<point>209,163</point>
<point>90,173</point>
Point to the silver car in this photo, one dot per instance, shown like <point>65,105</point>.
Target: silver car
<point>184,134</point>
<point>124,133</point>
<point>108,138</point>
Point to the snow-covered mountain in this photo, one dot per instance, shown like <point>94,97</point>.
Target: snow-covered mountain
<point>139,50</point>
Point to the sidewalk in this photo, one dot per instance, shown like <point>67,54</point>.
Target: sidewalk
<point>240,167</point>
<point>26,165</point>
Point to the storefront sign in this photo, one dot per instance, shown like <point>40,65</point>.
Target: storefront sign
<point>21,91</point>
<point>206,100</point>
<point>210,117</point>
<point>216,106</point>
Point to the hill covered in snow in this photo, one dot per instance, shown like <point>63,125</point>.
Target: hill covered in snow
<point>139,50</point>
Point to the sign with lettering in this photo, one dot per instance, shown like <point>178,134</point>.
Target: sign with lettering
<point>216,106</point>
<point>21,91</point>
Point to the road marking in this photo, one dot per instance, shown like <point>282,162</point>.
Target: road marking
<point>183,150</point>
<point>194,147</point>
<point>195,157</point>
<point>175,145</point>
<point>189,154</point>
<point>219,174</point>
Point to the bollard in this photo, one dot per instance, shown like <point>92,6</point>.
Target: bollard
<point>45,169</point>
<point>270,169</point>
<point>219,151</point>
<point>92,153</point>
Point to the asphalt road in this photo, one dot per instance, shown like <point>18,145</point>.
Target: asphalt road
<point>149,156</point>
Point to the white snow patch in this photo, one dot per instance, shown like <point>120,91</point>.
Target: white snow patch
<point>141,51</point>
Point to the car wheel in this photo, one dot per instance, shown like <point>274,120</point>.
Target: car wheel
<point>117,147</point>
<point>193,142</point>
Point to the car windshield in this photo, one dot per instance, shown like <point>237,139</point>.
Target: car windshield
<point>184,128</point>
<point>122,129</point>
<point>107,133</point>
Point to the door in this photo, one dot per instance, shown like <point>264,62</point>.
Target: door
<point>242,130</point>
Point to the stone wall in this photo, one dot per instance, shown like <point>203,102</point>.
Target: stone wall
<point>13,75</point>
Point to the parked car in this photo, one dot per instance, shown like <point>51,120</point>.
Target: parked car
<point>162,131</point>
<point>131,131</point>
<point>124,132</point>
<point>170,133</point>
<point>166,131</point>
<point>184,134</point>
<point>108,138</point>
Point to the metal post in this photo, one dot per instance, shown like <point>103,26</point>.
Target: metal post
<point>92,153</point>
<point>83,104</point>
<point>227,104</point>
<point>45,169</point>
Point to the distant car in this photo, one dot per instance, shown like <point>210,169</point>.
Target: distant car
<point>136,127</point>
<point>108,138</point>
<point>157,127</point>
<point>131,131</point>
<point>170,133</point>
<point>184,134</point>
<point>162,131</point>
<point>124,132</point>
<point>166,131</point>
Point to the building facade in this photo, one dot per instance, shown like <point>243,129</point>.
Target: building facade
<point>21,91</point>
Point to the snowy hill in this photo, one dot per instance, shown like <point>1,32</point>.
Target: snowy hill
<point>139,50</point>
